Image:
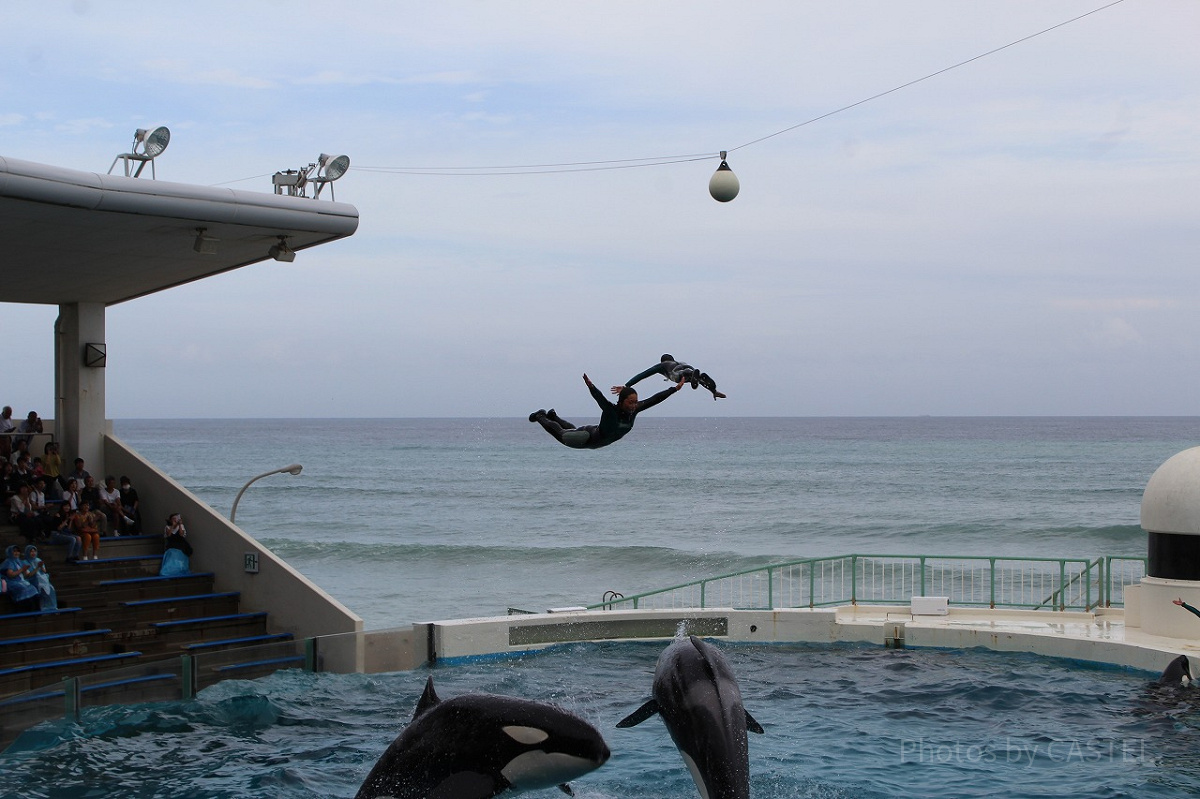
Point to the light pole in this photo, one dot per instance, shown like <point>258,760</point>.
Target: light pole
<point>295,468</point>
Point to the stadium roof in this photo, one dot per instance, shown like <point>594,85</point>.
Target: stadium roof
<point>68,236</point>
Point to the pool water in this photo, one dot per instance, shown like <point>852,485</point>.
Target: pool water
<point>841,721</point>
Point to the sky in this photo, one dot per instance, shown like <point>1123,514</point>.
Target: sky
<point>1013,236</point>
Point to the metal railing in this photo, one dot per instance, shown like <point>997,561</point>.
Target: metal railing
<point>994,582</point>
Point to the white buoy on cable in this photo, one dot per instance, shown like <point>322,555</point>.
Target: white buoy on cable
<point>723,185</point>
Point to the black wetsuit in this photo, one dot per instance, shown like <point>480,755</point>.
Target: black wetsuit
<point>614,423</point>
<point>671,370</point>
<point>1188,607</point>
<point>675,371</point>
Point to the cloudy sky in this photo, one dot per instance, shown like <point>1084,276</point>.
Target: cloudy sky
<point>1018,235</point>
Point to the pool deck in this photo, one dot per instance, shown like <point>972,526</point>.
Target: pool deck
<point>1101,636</point>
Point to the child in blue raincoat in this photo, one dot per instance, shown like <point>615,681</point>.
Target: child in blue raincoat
<point>40,578</point>
<point>23,594</point>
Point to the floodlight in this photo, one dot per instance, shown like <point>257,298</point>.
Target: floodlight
<point>723,185</point>
<point>334,166</point>
<point>152,143</point>
<point>329,169</point>
<point>281,251</point>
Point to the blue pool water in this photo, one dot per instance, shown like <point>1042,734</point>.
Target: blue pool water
<point>841,721</point>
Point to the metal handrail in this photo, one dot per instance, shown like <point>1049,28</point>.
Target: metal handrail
<point>1077,583</point>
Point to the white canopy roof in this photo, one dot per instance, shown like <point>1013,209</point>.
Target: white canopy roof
<point>68,236</point>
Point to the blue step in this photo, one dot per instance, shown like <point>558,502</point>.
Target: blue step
<point>211,619</point>
<point>153,578</point>
<point>254,664</point>
<point>54,664</point>
<point>247,641</point>
<point>164,600</point>
<point>51,637</point>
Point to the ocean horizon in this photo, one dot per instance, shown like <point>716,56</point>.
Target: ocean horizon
<point>414,519</point>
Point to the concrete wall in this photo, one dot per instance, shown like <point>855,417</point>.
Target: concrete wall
<point>295,603</point>
<point>1098,638</point>
<point>1158,615</point>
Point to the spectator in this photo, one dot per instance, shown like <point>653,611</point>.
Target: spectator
<point>7,483</point>
<point>21,514</point>
<point>90,493</point>
<point>60,533</point>
<point>23,594</point>
<point>28,428</point>
<point>79,474</point>
<point>52,469</point>
<point>177,551</point>
<point>85,525</point>
<point>37,501</point>
<point>22,472</point>
<point>130,506</point>
<point>6,428</point>
<point>19,451</point>
<point>110,506</point>
<point>19,447</point>
<point>39,578</point>
<point>71,496</point>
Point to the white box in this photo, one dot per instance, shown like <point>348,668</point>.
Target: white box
<point>930,605</point>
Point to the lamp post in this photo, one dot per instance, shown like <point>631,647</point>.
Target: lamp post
<point>295,468</point>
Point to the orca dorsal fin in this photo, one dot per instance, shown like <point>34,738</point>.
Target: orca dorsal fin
<point>752,725</point>
<point>641,714</point>
<point>428,699</point>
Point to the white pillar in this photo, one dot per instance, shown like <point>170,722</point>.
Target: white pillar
<point>79,385</point>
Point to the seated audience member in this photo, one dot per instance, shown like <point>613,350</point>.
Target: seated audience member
<point>130,506</point>
<point>22,468</point>
<point>7,483</point>
<point>6,428</point>
<point>90,493</point>
<point>71,496</point>
<point>85,525</point>
<point>28,428</point>
<point>19,447</point>
<point>110,505</point>
<point>78,474</point>
<point>37,501</point>
<point>37,494</point>
<point>60,533</point>
<point>40,579</point>
<point>21,592</point>
<point>177,551</point>
<point>21,513</point>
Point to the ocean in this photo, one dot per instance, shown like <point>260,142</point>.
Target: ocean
<point>408,520</point>
<point>422,519</point>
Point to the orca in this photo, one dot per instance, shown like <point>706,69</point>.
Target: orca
<point>1177,672</point>
<point>698,698</point>
<point>476,746</point>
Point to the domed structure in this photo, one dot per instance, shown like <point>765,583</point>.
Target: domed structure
<point>1171,518</point>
